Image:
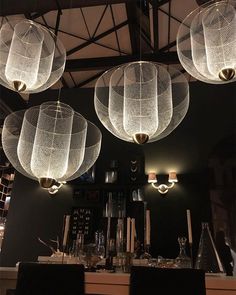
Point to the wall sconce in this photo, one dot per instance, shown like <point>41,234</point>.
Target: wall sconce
<point>162,188</point>
<point>54,189</point>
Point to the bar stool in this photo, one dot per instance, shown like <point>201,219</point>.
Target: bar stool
<point>49,279</point>
<point>150,280</point>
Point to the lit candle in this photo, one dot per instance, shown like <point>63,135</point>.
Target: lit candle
<point>132,235</point>
<point>148,227</point>
<point>128,235</point>
<point>190,238</point>
<point>66,230</point>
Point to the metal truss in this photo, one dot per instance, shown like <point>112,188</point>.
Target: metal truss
<point>141,16</point>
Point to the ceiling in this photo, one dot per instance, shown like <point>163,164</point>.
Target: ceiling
<point>99,34</point>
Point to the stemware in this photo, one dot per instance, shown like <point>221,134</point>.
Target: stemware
<point>90,256</point>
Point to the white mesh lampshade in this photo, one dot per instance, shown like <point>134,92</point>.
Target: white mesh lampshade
<point>47,142</point>
<point>92,150</point>
<point>206,42</point>
<point>32,57</point>
<point>141,101</point>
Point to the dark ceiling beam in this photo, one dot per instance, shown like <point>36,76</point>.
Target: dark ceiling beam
<point>59,13</point>
<point>11,7</point>
<point>168,46</point>
<point>88,64</point>
<point>133,32</point>
<point>155,25</point>
<point>158,2</point>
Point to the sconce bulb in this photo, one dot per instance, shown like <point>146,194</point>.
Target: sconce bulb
<point>19,86</point>
<point>140,138</point>
<point>163,189</point>
<point>227,74</point>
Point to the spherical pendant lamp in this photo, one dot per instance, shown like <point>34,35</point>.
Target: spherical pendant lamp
<point>92,150</point>
<point>91,153</point>
<point>32,57</point>
<point>206,42</point>
<point>141,101</point>
<point>49,143</point>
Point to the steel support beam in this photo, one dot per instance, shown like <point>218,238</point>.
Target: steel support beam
<point>131,10</point>
<point>101,63</point>
<point>11,7</point>
<point>155,25</point>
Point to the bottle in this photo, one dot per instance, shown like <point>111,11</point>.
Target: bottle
<point>183,260</point>
<point>207,257</point>
<point>111,175</point>
<point>111,255</point>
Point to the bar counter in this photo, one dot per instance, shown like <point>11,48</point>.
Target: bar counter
<point>118,283</point>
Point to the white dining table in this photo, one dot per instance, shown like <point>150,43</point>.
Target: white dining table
<point>118,283</point>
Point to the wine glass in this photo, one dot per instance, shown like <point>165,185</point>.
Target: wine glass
<point>90,256</point>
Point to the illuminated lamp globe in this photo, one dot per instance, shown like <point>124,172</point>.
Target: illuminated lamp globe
<point>92,150</point>
<point>141,101</point>
<point>46,143</point>
<point>32,57</point>
<point>206,42</point>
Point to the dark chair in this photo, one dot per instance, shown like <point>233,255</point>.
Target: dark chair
<point>50,279</point>
<point>160,281</point>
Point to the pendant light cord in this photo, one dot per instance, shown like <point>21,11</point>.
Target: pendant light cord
<point>59,92</point>
<point>140,30</point>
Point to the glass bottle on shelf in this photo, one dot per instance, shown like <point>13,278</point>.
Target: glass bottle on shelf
<point>111,254</point>
<point>111,175</point>
<point>183,260</point>
<point>207,257</point>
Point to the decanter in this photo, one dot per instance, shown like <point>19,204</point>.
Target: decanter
<point>183,260</point>
<point>207,257</point>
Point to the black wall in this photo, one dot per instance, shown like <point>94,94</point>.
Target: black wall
<point>211,117</point>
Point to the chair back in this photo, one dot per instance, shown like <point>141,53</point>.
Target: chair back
<point>50,279</point>
<point>160,281</point>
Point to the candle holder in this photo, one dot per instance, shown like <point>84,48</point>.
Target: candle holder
<point>127,261</point>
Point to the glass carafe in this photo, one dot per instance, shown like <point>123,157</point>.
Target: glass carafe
<point>207,256</point>
<point>183,260</point>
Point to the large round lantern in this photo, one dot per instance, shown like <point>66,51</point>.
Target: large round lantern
<point>206,42</point>
<point>32,57</point>
<point>50,142</point>
<point>141,101</point>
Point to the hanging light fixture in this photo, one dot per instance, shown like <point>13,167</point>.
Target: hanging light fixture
<point>50,143</point>
<point>32,57</point>
<point>141,101</point>
<point>206,42</point>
